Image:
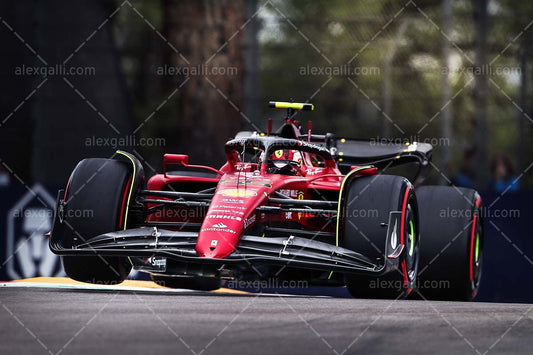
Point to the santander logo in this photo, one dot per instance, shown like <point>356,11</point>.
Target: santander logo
<point>220,225</point>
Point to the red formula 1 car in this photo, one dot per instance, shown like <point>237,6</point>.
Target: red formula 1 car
<point>285,206</point>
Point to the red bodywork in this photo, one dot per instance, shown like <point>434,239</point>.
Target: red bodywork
<point>240,189</point>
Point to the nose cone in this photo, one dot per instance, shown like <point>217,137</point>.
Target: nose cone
<point>230,211</point>
<point>218,240</point>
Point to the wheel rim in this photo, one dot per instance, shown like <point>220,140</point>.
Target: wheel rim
<point>477,260</point>
<point>411,245</point>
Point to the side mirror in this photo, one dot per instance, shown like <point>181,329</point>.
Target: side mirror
<point>173,159</point>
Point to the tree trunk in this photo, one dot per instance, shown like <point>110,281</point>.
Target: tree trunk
<point>446,93</point>
<point>207,35</point>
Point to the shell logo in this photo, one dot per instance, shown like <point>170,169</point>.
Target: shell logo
<point>238,193</point>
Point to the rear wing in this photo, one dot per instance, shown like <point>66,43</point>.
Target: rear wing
<point>381,154</point>
<point>351,150</point>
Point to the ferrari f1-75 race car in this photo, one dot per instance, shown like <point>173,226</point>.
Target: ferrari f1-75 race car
<point>285,206</point>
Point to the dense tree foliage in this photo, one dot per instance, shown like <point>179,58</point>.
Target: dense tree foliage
<point>374,69</point>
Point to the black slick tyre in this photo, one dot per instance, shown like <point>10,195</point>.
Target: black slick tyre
<point>451,232</point>
<point>367,204</point>
<point>95,197</point>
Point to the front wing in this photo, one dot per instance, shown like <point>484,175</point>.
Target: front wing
<point>180,246</point>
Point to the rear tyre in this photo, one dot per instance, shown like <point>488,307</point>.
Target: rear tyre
<point>100,187</point>
<point>451,228</point>
<point>200,283</point>
<point>367,204</point>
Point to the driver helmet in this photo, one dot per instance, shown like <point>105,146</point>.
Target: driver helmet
<point>284,155</point>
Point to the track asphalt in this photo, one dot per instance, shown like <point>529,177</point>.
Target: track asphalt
<point>139,319</point>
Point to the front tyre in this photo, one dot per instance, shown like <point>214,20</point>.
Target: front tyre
<point>367,203</point>
<point>96,199</point>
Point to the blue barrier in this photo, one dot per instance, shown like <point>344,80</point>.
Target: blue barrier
<point>508,260</point>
